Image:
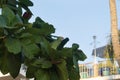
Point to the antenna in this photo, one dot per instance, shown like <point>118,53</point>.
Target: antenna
<point>95,61</point>
<point>94,38</point>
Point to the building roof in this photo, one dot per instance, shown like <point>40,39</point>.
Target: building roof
<point>20,77</point>
<point>99,52</point>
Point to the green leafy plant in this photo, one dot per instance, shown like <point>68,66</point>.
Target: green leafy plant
<point>34,45</point>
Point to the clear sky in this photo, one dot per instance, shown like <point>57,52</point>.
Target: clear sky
<point>79,20</point>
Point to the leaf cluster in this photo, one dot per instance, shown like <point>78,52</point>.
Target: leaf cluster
<point>34,45</point>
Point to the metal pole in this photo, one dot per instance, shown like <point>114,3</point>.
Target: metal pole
<point>95,61</point>
<point>94,38</point>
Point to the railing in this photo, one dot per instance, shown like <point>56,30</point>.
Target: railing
<point>104,68</point>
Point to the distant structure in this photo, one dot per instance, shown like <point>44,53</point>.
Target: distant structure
<point>114,30</point>
<point>95,61</point>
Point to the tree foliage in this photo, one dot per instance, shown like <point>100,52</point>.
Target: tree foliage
<point>109,52</point>
<point>33,44</point>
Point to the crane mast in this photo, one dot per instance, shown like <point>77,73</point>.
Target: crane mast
<point>114,31</point>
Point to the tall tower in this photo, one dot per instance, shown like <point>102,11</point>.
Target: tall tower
<point>114,30</point>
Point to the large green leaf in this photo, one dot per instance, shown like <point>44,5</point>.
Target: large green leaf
<point>75,46</point>
<point>75,61</point>
<point>45,46</point>
<point>71,70</point>
<point>44,27</point>
<point>25,6</point>
<point>19,10</point>
<point>79,54</point>
<point>56,43</point>
<point>47,28</point>
<point>26,41</point>
<point>2,21</point>
<point>62,71</point>
<point>1,32</point>
<point>37,62</point>
<point>46,64</point>
<point>43,31</point>
<point>14,8</point>
<point>4,62</point>
<point>73,74</point>
<point>16,21</point>
<point>30,50</point>
<point>30,71</point>
<point>12,5</point>
<point>53,73</point>
<point>37,23</point>
<point>26,2</point>
<point>10,63</point>
<point>31,37</point>
<point>34,31</point>
<point>66,52</point>
<point>42,74</point>
<point>63,42</point>
<point>25,35</point>
<point>4,67</point>
<point>13,45</point>
<point>7,12</point>
<point>14,64</point>
<point>37,38</point>
<point>42,63</point>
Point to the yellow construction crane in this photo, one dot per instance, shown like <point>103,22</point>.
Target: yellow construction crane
<point>114,30</point>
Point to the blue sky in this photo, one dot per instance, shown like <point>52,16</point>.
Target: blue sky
<point>77,19</point>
